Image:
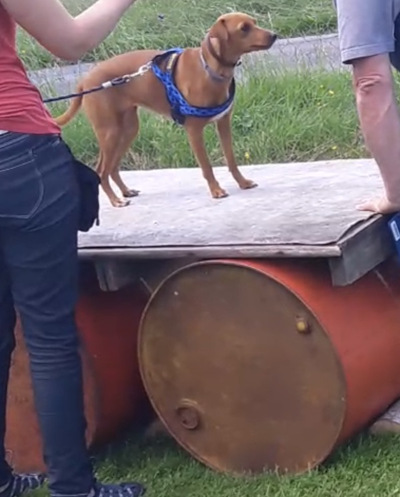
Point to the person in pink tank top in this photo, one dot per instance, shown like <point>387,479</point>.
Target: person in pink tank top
<point>42,207</point>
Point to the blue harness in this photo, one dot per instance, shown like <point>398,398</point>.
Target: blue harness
<point>180,108</point>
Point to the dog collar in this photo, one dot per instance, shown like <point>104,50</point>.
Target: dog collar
<point>210,71</point>
<point>218,58</point>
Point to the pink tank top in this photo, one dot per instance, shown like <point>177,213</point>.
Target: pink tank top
<point>21,106</point>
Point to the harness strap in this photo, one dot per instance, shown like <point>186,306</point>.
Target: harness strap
<point>176,115</point>
<point>172,60</point>
<point>180,108</point>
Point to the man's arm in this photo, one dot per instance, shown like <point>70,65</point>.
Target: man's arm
<point>56,30</point>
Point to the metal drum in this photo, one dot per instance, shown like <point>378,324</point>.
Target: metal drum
<point>256,366</point>
<point>114,395</point>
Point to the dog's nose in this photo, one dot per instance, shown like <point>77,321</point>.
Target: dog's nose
<point>274,37</point>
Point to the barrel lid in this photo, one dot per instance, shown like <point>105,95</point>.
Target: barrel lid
<point>240,370</point>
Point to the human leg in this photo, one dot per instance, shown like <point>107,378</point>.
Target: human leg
<point>7,344</point>
<point>367,40</point>
<point>39,240</point>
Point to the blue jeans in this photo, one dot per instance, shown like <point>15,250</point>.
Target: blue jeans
<point>39,277</point>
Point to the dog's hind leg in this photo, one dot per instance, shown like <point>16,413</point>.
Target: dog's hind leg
<point>225,138</point>
<point>108,139</point>
<point>129,132</point>
<point>196,141</point>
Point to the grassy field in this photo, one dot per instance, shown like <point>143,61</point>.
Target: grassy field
<point>166,23</point>
<point>278,118</point>
<point>368,467</point>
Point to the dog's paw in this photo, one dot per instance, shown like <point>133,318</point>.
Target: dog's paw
<point>120,203</point>
<point>219,192</point>
<point>131,193</point>
<point>246,184</point>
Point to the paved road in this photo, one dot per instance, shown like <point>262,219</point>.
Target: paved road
<point>312,52</point>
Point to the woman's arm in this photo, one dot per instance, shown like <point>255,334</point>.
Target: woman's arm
<point>61,34</point>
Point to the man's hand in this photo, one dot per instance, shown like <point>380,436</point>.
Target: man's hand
<point>380,206</point>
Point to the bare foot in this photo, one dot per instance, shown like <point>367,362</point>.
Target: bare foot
<point>131,193</point>
<point>380,206</point>
<point>246,184</point>
<point>218,192</point>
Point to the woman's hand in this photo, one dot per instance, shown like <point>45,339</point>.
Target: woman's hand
<point>60,33</point>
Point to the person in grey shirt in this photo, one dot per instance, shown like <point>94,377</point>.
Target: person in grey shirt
<point>369,40</point>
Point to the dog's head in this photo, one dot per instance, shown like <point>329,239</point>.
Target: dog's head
<point>238,34</point>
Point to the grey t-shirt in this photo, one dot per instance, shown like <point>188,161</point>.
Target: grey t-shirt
<point>367,27</point>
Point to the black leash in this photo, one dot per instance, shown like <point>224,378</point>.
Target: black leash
<point>107,84</point>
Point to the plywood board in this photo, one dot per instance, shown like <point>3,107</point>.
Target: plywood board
<point>296,206</point>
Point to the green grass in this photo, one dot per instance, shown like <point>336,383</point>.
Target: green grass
<point>186,21</point>
<point>281,118</point>
<point>368,467</point>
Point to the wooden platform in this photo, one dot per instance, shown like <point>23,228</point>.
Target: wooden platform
<point>298,210</point>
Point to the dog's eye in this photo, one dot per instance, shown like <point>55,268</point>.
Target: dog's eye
<point>245,27</point>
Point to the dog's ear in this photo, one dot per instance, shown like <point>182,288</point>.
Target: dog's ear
<point>219,30</point>
<point>218,34</point>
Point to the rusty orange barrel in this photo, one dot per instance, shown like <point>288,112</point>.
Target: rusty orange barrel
<point>256,366</point>
<point>114,395</point>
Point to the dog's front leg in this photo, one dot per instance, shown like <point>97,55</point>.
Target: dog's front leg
<point>225,138</point>
<point>196,140</point>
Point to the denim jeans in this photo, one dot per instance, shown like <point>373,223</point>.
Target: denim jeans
<point>38,276</point>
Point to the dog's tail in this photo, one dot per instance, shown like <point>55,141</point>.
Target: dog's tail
<point>72,109</point>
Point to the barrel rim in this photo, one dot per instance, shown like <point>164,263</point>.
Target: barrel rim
<point>253,266</point>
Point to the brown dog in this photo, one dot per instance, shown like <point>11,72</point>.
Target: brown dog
<point>204,76</point>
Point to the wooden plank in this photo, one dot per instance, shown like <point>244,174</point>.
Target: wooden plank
<point>305,204</point>
<point>113,274</point>
<point>299,210</point>
<point>155,272</point>
<point>237,252</point>
<point>363,248</point>
<point>357,253</point>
